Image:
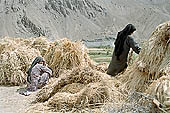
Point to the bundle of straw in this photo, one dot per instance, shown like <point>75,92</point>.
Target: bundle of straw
<point>41,44</point>
<point>93,94</point>
<point>72,88</point>
<point>15,60</point>
<point>65,54</point>
<point>83,75</point>
<point>14,65</point>
<point>102,67</point>
<point>160,90</point>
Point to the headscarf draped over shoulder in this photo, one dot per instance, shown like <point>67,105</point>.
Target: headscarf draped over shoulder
<point>36,60</point>
<point>121,37</point>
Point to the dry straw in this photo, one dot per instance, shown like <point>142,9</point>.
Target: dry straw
<point>84,75</point>
<point>41,44</point>
<point>17,55</point>
<point>72,88</point>
<point>64,55</point>
<point>93,94</point>
<point>160,90</point>
<point>95,89</point>
<point>15,59</point>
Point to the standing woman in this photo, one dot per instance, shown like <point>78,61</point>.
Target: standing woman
<point>123,44</point>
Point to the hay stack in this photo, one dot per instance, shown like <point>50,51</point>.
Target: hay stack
<point>93,94</point>
<point>65,55</point>
<point>95,89</point>
<point>102,67</point>
<point>41,44</point>
<point>153,61</point>
<point>82,75</point>
<point>72,88</point>
<point>15,58</point>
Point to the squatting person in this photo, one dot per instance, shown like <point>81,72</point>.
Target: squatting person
<point>38,75</point>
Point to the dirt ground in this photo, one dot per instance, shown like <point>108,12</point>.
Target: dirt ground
<point>12,102</point>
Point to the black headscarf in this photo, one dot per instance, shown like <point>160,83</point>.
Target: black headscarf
<point>121,37</point>
<point>36,60</point>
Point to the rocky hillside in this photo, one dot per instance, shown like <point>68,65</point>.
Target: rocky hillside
<point>80,19</point>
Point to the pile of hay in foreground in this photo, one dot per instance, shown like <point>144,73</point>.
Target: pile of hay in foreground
<point>95,89</point>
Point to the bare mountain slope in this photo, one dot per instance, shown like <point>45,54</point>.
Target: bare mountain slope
<point>79,19</point>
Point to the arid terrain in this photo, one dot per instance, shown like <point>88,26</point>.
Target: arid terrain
<point>93,21</point>
<point>12,102</point>
<point>80,19</point>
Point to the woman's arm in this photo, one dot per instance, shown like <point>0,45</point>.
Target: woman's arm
<point>46,69</point>
<point>134,45</point>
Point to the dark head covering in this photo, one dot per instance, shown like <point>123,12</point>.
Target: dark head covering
<point>121,37</point>
<point>36,60</point>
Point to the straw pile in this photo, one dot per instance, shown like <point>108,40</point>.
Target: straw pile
<point>41,44</point>
<point>94,89</point>
<point>102,67</point>
<point>72,88</point>
<point>82,75</point>
<point>65,55</point>
<point>16,56</point>
<point>160,90</point>
<point>93,94</point>
<point>153,61</point>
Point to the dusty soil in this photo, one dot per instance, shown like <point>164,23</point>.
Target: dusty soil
<point>12,102</point>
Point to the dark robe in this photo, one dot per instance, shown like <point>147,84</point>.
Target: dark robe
<point>118,65</point>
